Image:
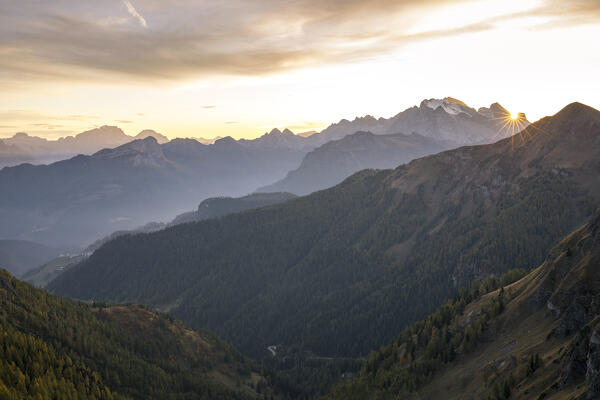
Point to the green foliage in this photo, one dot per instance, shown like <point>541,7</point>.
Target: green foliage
<point>412,359</point>
<point>297,374</point>
<point>53,348</point>
<point>339,272</point>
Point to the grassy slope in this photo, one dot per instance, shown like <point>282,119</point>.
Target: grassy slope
<point>567,282</point>
<point>121,351</point>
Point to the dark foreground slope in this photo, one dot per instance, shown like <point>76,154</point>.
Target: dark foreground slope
<point>54,348</point>
<point>343,270</point>
<point>537,338</point>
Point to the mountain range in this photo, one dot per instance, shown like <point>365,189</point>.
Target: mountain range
<point>343,270</point>
<point>434,126</point>
<point>447,120</point>
<point>23,148</point>
<point>78,200</point>
<point>334,161</point>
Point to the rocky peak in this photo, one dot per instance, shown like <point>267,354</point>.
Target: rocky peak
<point>140,152</point>
<point>450,105</point>
<point>106,131</point>
<point>149,132</point>
<point>227,140</point>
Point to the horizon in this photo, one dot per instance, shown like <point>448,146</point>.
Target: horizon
<point>250,67</point>
<point>133,133</point>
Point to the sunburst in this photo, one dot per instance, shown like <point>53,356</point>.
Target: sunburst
<point>513,126</point>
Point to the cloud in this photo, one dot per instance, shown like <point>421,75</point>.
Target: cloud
<point>208,107</point>
<point>123,121</point>
<point>24,116</point>
<point>69,40</point>
<point>232,122</point>
<point>131,10</point>
<point>47,126</point>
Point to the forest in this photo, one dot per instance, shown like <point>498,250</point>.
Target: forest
<point>55,348</point>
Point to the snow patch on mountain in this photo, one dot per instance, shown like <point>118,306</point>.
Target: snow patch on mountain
<point>449,106</point>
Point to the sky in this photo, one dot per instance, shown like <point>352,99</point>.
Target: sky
<point>242,67</point>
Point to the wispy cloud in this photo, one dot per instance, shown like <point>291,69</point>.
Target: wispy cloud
<point>131,10</point>
<point>62,40</point>
<point>207,107</point>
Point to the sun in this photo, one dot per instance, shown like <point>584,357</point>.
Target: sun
<point>514,116</point>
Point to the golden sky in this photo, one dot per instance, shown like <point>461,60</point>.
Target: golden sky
<point>241,67</point>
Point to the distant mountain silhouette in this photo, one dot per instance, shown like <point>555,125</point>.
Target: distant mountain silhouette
<point>42,151</point>
<point>74,202</point>
<point>331,163</point>
<point>12,155</point>
<point>446,119</point>
<point>434,126</point>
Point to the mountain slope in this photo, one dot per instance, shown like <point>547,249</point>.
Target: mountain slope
<point>210,208</point>
<point>542,339</point>
<point>331,163</point>
<point>20,256</point>
<point>330,271</point>
<point>220,206</point>
<point>57,348</point>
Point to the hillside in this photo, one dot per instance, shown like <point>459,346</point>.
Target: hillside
<point>333,162</point>
<point>48,271</point>
<point>210,208</point>
<point>536,338</point>
<point>58,348</point>
<point>219,206</point>
<point>341,271</point>
<point>20,256</point>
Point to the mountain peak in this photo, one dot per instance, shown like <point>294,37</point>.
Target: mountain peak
<point>274,131</point>
<point>225,141</point>
<point>106,131</point>
<point>151,133</point>
<point>577,110</point>
<point>455,101</point>
<point>450,105</point>
<point>142,152</point>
